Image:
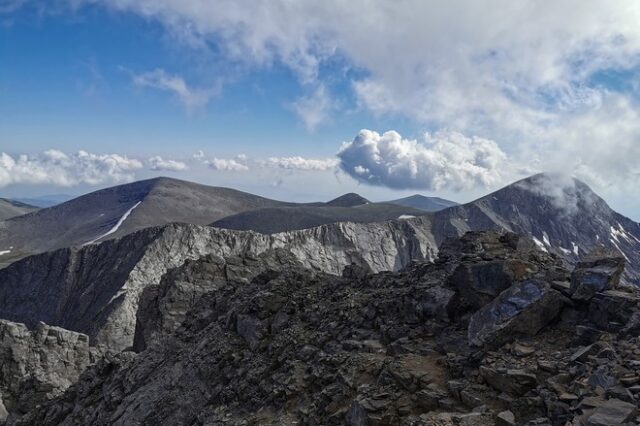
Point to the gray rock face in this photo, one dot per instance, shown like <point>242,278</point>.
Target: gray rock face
<point>163,307</point>
<point>521,310</point>
<point>96,289</point>
<point>599,271</point>
<point>40,364</point>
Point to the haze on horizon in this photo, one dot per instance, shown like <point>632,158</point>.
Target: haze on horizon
<point>304,101</point>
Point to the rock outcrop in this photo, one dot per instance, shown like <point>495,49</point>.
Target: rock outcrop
<point>264,339</point>
<point>39,364</point>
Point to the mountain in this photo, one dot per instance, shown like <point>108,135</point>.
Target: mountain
<point>348,200</point>
<point>13,208</point>
<point>429,204</point>
<point>495,332</point>
<point>45,200</point>
<point>563,215</point>
<point>281,219</point>
<point>120,210</point>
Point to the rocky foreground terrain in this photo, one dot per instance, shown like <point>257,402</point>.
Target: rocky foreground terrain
<point>495,331</point>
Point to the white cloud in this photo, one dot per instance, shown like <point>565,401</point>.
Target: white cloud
<point>238,164</point>
<point>300,163</point>
<point>58,168</point>
<point>158,163</point>
<point>192,98</point>
<point>519,73</point>
<point>313,109</point>
<point>443,160</point>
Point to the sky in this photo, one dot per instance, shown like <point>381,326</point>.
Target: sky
<point>304,100</point>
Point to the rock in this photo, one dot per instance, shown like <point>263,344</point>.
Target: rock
<point>583,353</point>
<point>480,282</point>
<point>522,350</point>
<point>521,310</point>
<point>612,412</point>
<point>3,411</point>
<point>511,381</point>
<point>436,302</point>
<point>612,310</point>
<point>251,329</point>
<point>36,365</point>
<point>505,418</point>
<point>599,271</point>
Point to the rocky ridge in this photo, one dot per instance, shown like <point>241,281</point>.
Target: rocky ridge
<point>95,289</point>
<point>496,331</point>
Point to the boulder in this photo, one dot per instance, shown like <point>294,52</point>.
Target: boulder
<point>505,418</point>
<point>521,310</point>
<point>511,381</point>
<point>612,412</point>
<point>600,270</point>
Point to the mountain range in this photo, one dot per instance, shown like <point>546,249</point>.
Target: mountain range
<point>131,269</point>
<point>120,210</point>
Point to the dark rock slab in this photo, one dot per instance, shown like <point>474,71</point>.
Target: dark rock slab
<point>521,310</point>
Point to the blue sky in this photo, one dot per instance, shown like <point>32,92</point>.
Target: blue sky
<point>456,99</point>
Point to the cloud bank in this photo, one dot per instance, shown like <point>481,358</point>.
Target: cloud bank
<point>54,167</point>
<point>442,160</point>
<point>237,164</point>
<point>158,163</point>
<point>301,163</point>
<point>536,77</point>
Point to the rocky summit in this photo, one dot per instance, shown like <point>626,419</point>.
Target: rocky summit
<point>495,331</point>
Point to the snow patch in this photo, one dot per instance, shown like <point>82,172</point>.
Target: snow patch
<point>618,247</point>
<point>406,216</point>
<point>565,251</point>
<point>2,252</point>
<point>576,249</point>
<point>545,238</point>
<point>620,232</point>
<point>539,244</point>
<point>117,225</point>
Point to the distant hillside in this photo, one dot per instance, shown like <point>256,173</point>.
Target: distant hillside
<point>429,204</point>
<point>120,210</point>
<point>12,208</point>
<point>348,200</point>
<point>45,200</point>
<point>280,219</point>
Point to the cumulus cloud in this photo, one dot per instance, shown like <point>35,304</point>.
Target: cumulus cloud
<point>237,164</point>
<point>442,160</point>
<point>192,98</point>
<point>158,163</point>
<point>300,163</point>
<point>58,168</point>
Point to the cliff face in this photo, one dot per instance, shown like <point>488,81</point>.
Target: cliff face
<point>96,289</point>
<point>38,365</point>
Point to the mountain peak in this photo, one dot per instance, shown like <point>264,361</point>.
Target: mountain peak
<point>350,199</point>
